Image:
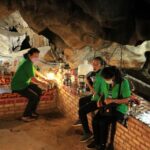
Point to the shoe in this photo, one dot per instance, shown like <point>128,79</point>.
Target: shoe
<point>34,114</point>
<point>92,145</point>
<point>102,147</point>
<point>77,124</point>
<point>27,119</point>
<point>86,137</point>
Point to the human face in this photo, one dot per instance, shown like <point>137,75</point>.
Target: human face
<point>96,65</point>
<point>109,81</point>
<point>34,57</point>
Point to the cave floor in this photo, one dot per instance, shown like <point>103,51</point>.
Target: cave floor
<point>50,132</point>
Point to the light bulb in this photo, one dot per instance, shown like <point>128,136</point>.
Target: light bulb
<point>50,76</point>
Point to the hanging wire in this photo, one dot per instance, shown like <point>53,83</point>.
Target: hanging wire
<point>121,57</point>
<point>94,53</point>
<point>112,54</point>
<point>124,73</point>
<point>121,60</point>
<point>122,65</point>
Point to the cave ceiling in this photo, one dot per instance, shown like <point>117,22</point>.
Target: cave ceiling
<point>79,23</point>
<point>88,25</point>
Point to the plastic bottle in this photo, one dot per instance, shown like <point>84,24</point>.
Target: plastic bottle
<point>85,68</point>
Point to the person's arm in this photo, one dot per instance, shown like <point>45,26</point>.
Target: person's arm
<point>117,101</point>
<point>123,101</point>
<point>89,85</point>
<point>36,81</point>
<point>125,92</point>
<point>89,82</point>
<point>99,91</point>
<point>31,72</point>
<point>41,75</point>
<point>103,92</point>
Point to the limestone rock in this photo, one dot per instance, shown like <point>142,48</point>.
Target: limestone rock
<point>14,24</point>
<point>81,28</point>
<point>10,41</point>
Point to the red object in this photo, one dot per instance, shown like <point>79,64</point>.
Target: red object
<point>13,98</point>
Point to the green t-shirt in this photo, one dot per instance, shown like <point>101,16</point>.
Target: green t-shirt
<point>23,75</point>
<point>98,87</point>
<point>125,92</point>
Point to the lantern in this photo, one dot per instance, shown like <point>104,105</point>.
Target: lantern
<point>81,84</point>
<point>67,75</point>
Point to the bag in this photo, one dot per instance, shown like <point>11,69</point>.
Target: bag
<point>108,110</point>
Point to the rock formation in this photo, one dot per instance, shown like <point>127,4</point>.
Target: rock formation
<point>88,27</point>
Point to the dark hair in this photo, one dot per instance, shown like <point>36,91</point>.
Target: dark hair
<point>31,52</point>
<point>100,59</point>
<point>110,72</point>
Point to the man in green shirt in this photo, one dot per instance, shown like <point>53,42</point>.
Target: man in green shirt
<point>117,92</point>
<point>90,103</point>
<point>25,83</point>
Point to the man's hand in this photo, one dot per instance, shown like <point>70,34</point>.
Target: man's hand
<point>108,101</point>
<point>99,104</point>
<point>134,98</point>
<point>48,81</point>
<point>44,85</point>
<point>93,92</point>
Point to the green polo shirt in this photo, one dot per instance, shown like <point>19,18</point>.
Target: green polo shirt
<point>98,86</point>
<point>125,92</point>
<point>23,75</point>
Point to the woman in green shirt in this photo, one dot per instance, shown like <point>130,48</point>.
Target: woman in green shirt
<point>25,83</point>
<point>116,91</point>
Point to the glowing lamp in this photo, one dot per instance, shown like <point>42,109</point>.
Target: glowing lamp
<point>51,76</point>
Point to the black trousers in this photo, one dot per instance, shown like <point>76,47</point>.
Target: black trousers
<point>86,106</point>
<point>32,93</point>
<point>101,124</point>
<point>84,100</point>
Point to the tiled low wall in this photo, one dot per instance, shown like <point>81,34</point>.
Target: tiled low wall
<point>13,105</point>
<point>135,137</point>
<point>67,102</point>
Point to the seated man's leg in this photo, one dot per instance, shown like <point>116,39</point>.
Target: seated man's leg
<point>36,89</point>
<point>100,126</point>
<point>82,101</point>
<point>33,100</point>
<point>89,107</point>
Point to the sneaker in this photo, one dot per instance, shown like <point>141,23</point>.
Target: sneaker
<point>86,137</point>
<point>102,147</point>
<point>77,124</point>
<point>27,119</point>
<point>34,114</point>
<point>92,145</point>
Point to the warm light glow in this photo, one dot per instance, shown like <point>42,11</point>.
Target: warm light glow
<point>51,76</point>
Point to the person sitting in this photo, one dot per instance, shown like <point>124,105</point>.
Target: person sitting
<point>117,94</point>
<point>89,104</point>
<point>25,83</point>
<point>90,78</point>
